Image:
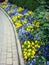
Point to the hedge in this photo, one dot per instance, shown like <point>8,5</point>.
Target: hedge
<point>30,4</point>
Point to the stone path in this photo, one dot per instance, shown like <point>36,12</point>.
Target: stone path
<point>8,51</point>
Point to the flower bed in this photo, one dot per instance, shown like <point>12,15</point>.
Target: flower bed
<point>33,32</point>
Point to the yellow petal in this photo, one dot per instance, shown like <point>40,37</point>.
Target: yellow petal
<point>22,46</point>
<point>33,43</point>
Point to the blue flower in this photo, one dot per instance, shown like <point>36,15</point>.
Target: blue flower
<point>32,19</point>
<point>8,8</point>
<point>24,11</point>
<point>29,63</point>
<point>44,54</point>
<point>47,62</point>
<point>37,37</point>
<point>12,13</point>
<point>32,62</point>
<point>22,31</point>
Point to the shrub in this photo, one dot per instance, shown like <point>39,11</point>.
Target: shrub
<point>30,4</point>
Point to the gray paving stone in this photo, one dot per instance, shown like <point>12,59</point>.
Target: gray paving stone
<point>9,61</point>
<point>9,55</point>
<point>8,51</point>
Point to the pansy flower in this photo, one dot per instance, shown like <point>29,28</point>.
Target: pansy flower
<point>20,9</point>
<point>24,11</point>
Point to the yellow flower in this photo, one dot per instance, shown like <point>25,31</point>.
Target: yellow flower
<point>25,54</point>
<point>27,14</point>
<point>25,49</point>
<point>20,9</point>
<point>32,29</point>
<point>30,12</point>
<point>34,22</point>
<point>37,24</point>
<point>36,41</point>
<point>33,43</point>
<point>37,46</point>
<point>20,15</point>
<point>35,49</point>
<point>28,54</point>
<point>14,18</point>
<point>32,56</point>
<point>28,29</point>
<point>25,42</point>
<point>22,46</point>
<point>24,21</point>
<point>4,6</point>
<point>13,6</point>
<point>25,57</point>
<point>28,42</point>
<point>29,50</point>
<point>4,3</point>
<point>29,46</point>
<point>18,24</point>
<point>10,11</point>
<point>30,26</point>
<point>33,52</point>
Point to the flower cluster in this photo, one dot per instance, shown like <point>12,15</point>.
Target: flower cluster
<point>30,48</point>
<point>46,52</point>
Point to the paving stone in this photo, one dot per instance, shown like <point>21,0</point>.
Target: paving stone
<point>15,63</point>
<point>9,55</point>
<point>9,61</point>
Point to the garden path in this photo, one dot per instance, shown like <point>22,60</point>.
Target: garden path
<point>8,51</point>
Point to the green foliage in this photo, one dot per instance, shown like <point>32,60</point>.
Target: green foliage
<point>30,4</point>
<point>42,15</point>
